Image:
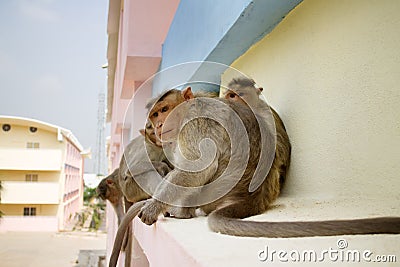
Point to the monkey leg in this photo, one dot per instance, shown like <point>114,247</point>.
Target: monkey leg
<point>180,212</point>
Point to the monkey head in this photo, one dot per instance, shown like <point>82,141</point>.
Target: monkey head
<point>243,90</point>
<point>108,188</point>
<point>149,134</point>
<point>166,126</point>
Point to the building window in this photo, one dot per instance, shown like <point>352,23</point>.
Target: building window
<point>32,145</point>
<point>31,177</point>
<point>6,127</point>
<point>32,129</point>
<point>29,211</point>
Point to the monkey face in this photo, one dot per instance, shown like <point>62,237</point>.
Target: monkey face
<point>160,112</point>
<point>150,133</point>
<point>245,95</point>
<point>166,130</point>
<point>235,96</point>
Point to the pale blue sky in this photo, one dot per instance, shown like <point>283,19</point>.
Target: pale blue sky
<point>51,53</point>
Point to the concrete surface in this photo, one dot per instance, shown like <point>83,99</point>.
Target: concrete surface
<point>173,242</point>
<point>31,249</point>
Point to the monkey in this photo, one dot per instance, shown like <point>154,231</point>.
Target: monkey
<point>148,133</point>
<point>244,90</point>
<point>141,159</point>
<point>120,183</point>
<point>109,189</point>
<point>225,213</point>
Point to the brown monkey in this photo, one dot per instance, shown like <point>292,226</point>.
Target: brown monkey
<point>239,202</point>
<point>244,90</point>
<point>225,212</point>
<point>108,189</point>
<point>141,160</point>
<point>148,133</point>
<point>138,160</point>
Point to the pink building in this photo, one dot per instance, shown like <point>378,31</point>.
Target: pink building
<point>41,171</point>
<point>136,31</point>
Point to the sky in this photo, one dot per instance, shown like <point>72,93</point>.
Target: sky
<point>51,53</point>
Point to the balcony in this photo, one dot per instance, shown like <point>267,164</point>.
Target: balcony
<point>30,159</point>
<point>29,192</point>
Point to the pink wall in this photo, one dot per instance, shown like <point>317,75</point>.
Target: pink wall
<point>143,28</point>
<point>29,224</point>
<point>72,198</point>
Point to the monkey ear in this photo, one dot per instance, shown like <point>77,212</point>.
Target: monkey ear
<point>187,93</point>
<point>142,132</point>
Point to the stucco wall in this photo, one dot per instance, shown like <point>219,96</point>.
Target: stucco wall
<point>18,136</point>
<point>332,70</point>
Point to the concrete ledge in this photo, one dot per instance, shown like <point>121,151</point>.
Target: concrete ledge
<point>173,242</point>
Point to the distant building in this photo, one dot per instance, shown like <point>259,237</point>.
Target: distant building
<point>41,172</point>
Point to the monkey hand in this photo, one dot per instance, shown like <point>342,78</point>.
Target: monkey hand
<point>150,211</point>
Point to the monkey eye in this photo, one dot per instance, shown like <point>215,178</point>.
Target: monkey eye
<point>155,114</point>
<point>164,109</point>
<point>232,95</point>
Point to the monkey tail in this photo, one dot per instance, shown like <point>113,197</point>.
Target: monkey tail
<point>130,214</point>
<point>225,221</point>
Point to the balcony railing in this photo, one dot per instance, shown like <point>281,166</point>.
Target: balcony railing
<point>30,159</point>
<point>30,193</point>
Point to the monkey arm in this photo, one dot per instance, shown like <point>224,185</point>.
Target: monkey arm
<point>177,185</point>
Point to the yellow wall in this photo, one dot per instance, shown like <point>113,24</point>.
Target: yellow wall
<point>18,210</point>
<point>18,136</point>
<point>19,176</point>
<point>332,70</point>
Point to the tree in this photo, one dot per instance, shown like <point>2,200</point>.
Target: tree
<point>89,193</point>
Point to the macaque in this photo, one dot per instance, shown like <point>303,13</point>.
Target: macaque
<point>239,202</point>
<point>141,160</point>
<point>245,91</point>
<point>108,189</point>
<point>150,136</point>
<point>228,133</point>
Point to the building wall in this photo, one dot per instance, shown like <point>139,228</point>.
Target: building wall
<point>19,135</point>
<point>332,70</point>
<point>72,183</point>
<point>214,31</point>
<point>19,176</point>
<point>18,209</point>
<point>58,192</point>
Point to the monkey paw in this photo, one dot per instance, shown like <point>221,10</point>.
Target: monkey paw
<point>150,211</point>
